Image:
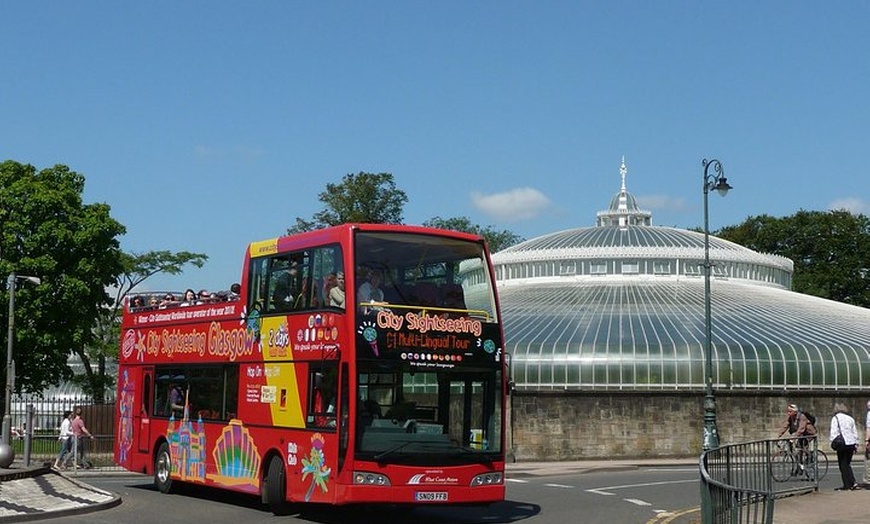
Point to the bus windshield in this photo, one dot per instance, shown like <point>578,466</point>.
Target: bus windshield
<point>428,350</point>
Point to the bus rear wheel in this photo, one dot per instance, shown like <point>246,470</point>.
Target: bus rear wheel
<point>276,487</point>
<point>163,469</point>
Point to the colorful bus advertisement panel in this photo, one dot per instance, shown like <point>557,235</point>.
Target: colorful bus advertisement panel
<point>428,341</point>
<point>238,374</point>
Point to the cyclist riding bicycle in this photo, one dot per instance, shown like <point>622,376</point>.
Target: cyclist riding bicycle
<point>800,427</point>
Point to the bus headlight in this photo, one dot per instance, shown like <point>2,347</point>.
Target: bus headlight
<point>487,479</point>
<point>366,478</point>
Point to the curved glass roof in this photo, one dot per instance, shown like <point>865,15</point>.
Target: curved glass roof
<point>586,239</point>
<point>641,250</point>
<point>636,334</point>
<point>622,307</point>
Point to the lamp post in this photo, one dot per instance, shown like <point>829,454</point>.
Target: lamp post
<point>10,364</point>
<point>712,181</point>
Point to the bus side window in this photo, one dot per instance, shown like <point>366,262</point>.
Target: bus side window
<point>322,395</point>
<point>146,395</point>
<point>257,284</point>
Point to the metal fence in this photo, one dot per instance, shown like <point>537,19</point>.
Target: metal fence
<point>36,428</point>
<point>741,482</point>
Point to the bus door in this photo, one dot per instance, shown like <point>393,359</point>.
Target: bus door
<point>473,392</point>
<point>142,416</point>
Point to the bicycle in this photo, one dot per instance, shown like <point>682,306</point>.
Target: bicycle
<point>789,462</point>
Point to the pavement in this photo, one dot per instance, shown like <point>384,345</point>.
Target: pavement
<point>39,492</point>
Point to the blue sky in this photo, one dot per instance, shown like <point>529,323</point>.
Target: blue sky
<point>207,125</point>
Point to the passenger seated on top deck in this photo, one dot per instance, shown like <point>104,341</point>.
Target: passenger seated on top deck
<point>329,282</point>
<point>168,301</point>
<point>136,303</point>
<point>189,298</point>
<point>284,293</point>
<point>370,291</point>
<point>336,294</point>
<point>302,296</point>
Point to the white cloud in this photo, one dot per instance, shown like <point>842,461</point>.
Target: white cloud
<point>853,205</point>
<point>662,202</point>
<point>517,204</point>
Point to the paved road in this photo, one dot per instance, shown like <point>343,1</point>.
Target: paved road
<point>27,494</point>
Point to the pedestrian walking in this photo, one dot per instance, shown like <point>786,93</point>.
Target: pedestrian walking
<point>65,438</point>
<point>867,447</point>
<point>80,433</point>
<point>844,440</point>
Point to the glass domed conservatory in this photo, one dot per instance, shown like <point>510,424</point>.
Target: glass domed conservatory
<point>620,306</point>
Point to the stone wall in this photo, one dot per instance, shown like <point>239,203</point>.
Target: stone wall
<point>577,426</point>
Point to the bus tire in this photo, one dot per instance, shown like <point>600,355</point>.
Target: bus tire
<point>276,487</point>
<point>163,469</point>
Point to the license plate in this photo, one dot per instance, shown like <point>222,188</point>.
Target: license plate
<point>430,496</point>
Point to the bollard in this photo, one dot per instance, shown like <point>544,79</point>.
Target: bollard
<point>7,455</point>
<point>28,434</point>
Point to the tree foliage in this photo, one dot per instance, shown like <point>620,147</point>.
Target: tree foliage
<point>497,240</point>
<point>830,250</point>
<point>139,267</point>
<point>375,199</point>
<point>72,247</point>
<point>362,198</point>
<point>136,268</point>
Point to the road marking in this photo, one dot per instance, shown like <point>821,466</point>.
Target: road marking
<point>563,486</point>
<point>518,481</point>
<point>638,502</point>
<point>668,517</point>
<point>646,484</point>
<point>606,489</point>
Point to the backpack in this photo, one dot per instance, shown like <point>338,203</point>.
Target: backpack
<point>810,417</point>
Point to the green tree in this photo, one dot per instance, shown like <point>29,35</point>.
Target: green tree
<point>362,198</point>
<point>72,247</point>
<point>136,268</point>
<point>497,240</point>
<point>375,199</point>
<point>830,250</point>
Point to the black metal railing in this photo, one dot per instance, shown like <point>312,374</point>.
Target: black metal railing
<point>36,423</point>
<point>741,482</point>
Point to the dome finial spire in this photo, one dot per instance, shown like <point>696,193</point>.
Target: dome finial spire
<point>623,211</point>
<point>623,171</point>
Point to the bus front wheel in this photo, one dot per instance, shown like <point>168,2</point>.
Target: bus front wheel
<point>162,469</point>
<point>276,487</point>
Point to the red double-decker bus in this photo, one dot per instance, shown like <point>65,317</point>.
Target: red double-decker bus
<point>358,363</point>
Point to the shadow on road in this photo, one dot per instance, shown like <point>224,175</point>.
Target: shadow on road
<point>499,513</point>
<point>502,512</point>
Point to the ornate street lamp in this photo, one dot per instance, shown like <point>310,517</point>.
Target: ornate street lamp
<point>712,181</point>
<point>10,364</point>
